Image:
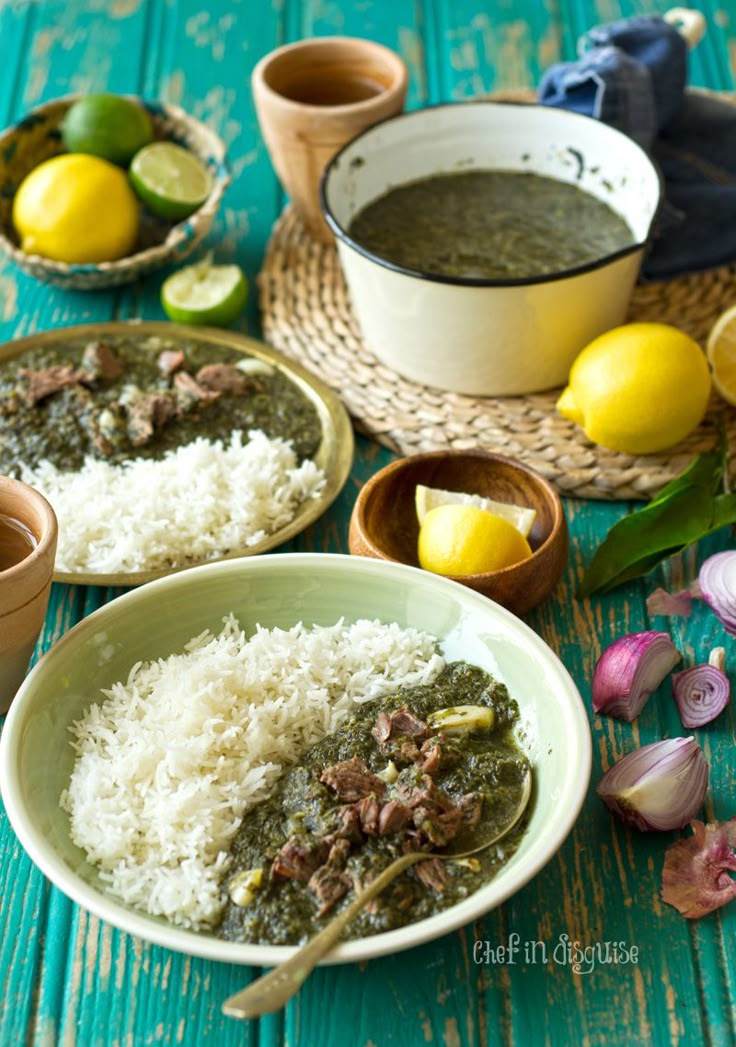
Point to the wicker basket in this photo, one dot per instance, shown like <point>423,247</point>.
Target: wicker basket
<point>37,138</point>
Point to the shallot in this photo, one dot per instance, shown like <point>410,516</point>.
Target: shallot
<point>660,786</point>
<point>629,671</point>
<point>702,693</point>
<point>717,579</point>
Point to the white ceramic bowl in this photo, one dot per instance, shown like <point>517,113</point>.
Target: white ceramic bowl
<point>280,590</point>
<point>479,336</point>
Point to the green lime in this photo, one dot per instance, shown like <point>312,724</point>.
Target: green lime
<point>171,181</point>
<point>205,294</point>
<point>109,126</point>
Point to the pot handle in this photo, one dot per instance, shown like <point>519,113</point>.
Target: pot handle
<point>691,24</point>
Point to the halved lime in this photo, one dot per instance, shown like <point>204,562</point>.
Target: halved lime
<point>171,181</point>
<point>205,294</point>
<point>109,126</point>
<point>428,498</point>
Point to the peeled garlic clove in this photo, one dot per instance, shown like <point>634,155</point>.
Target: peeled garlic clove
<point>243,885</point>
<point>629,671</point>
<point>660,786</point>
<point>389,774</point>
<point>462,718</point>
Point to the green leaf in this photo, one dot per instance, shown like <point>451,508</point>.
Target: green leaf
<point>685,510</point>
<point>706,470</point>
<point>638,568</point>
<point>724,511</point>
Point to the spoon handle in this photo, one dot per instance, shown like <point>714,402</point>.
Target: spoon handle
<point>272,990</point>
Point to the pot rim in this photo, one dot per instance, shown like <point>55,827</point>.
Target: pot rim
<point>342,234</point>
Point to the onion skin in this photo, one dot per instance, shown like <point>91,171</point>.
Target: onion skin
<point>696,878</point>
<point>660,602</point>
<point>659,787</point>
<point>717,580</point>
<point>629,671</point>
<point>701,694</point>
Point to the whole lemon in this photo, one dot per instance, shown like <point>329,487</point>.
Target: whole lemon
<point>462,539</point>
<point>639,388</point>
<point>76,208</point>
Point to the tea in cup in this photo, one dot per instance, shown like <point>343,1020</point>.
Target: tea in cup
<point>314,96</point>
<point>28,534</point>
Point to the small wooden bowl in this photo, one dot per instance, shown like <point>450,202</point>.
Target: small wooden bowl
<point>384,521</point>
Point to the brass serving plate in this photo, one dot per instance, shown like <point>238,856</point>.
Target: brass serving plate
<point>334,456</point>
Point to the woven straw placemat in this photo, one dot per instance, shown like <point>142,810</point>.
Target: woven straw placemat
<point>307,315</point>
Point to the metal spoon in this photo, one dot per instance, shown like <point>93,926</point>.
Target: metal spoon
<point>272,991</point>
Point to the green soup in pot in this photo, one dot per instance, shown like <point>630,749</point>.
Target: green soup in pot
<point>493,225</point>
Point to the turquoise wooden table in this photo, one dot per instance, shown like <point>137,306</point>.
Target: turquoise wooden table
<point>68,978</point>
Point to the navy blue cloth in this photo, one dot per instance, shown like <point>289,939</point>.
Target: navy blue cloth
<point>632,74</point>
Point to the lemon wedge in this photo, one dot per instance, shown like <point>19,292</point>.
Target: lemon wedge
<point>463,539</point>
<point>428,498</point>
<point>721,351</point>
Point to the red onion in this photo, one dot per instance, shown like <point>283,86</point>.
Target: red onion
<point>660,786</point>
<point>717,578</point>
<point>702,693</point>
<point>629,671</point>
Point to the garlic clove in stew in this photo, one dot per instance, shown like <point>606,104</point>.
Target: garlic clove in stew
<point>462,718</point>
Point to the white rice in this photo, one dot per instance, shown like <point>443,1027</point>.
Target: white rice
<point>199,502</point>
<point>171,758</point>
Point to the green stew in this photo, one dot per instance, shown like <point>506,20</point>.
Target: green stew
<point>420,769</point>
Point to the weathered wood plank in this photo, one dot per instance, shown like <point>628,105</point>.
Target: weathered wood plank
<point>66,977</point>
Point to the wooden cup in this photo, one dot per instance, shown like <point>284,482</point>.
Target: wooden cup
<point>24,587</point>
<point>311,98</point>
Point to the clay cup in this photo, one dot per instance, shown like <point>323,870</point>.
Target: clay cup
<point>24,586</point>
<point>311,98</point>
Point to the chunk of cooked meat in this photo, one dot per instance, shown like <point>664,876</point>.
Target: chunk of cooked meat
<point>328,885</point>
<point>369,811</point>
<point>382,728</point>
<point>191,391</point>
<point>339,851</point>
<point>226,378</point>
<point>432,874</point>
<point>415,789</point>
<point>351,780</point>
<point>429,756</point>
<point>48,380</point>
<point>147,413</point>
<point>438,826</point>
<point>401,722</point>
<point>170,360</point>
<point>393,817</point>
<point>99,363</point>
<point>348,824</point>
<point>299,858</point>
